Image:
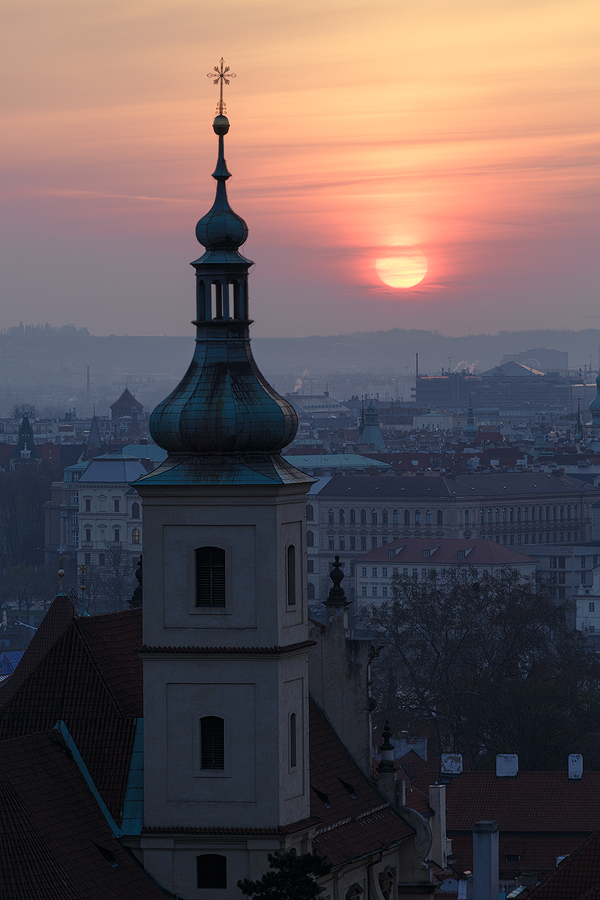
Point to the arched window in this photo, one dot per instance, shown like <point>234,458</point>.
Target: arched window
<point>512,514</point>
<point>569,511</point>
<point>555,513</point>
<point>117,534</point>
<point>466,516</point>
<point>533,513</point>
<point>330,517</point>
<point>384,517</point>
<point>291,575</point>
<point>212,871</point>
<point>547,514</point>
<point>210,576</point>
<point>395,517</point>
<point>135,536</point>
<point>489,515</point>
<point>135,510</point>
<point>310,513</point>
<point>293,742</point>
<point>562,513</point>
<point>417,516</point>
<point>526,513</point>
<point>482,516</point>
<point>440,517</point>
<point>212,742</point>
<point>407,517</point>
<point>310,539</point>
<point>363,517</point>
<point>373,517</point>
<point>353,517</point>
<point>311,591</point>
<point>342,542</point>
<point>518,513</point>
<point>497,514</point>
<point>576,511</point>
<point>342,516</point>
<point>428,517</point>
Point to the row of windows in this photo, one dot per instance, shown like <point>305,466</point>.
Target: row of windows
<point>541,538</point>
<point>491,514</point>
<point>135,507</point>
<point>136,535</point>
<point>356,517</point>
<point>523,514</point>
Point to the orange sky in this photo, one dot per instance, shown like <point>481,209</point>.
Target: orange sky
<point>467,128</point>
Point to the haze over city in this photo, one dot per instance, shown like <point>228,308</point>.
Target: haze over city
<point>465,131</point>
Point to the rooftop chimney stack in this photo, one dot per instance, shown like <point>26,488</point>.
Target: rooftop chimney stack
<point>440,845</point>
<point>486,874</point>
<point>452,764</point>
<point>507,765</point>
<point>575,766</point>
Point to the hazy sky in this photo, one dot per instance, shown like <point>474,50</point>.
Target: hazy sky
<point>466,128</point>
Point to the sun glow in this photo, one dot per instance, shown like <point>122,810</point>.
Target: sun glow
<point>405,269</point>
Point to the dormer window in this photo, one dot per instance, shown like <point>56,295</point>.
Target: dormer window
<point>461,554</point>
<point>426,554</point>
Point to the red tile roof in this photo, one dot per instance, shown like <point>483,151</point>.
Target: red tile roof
<point>536,852</point>
<point>530,802</point>
<point>577,877</point>
<point>55,843</point>
<point>91,678</point>
<point>355,818</point>
<point>444,552</point>
<point>55,622</point>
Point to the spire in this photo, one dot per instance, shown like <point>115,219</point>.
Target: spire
<point>223,421</point>
<point>470,431</point>
<point>577,436</point>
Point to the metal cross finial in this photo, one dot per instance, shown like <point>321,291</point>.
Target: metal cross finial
<point>223,75</point>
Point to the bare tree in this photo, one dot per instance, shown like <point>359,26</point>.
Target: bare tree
<point>486,663</point>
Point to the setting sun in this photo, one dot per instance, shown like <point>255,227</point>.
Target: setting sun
<point>404,269</point>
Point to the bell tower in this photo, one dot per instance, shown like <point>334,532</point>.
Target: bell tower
<point>225,614</point>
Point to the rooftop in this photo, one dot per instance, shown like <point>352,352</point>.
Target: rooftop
<point>447,552</point>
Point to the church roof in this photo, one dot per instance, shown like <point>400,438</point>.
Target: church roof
<point>355,818</point>
<point>85,672</point>
<point>55,842</point>
<point>125,403</point>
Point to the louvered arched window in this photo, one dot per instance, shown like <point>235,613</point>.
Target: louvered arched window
<point>210,576</point>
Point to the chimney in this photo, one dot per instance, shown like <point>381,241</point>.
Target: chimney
<point>507,765</point>
<point>486,875</point>
<point>439,841</point>
<point>452,764</point>
<point>575,767</point>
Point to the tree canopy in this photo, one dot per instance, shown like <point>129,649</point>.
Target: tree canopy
<point>489,665</point>
<point>291,877</point>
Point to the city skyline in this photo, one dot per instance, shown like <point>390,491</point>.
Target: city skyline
<point>467,132</point>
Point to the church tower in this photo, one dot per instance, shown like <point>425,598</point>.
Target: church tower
<point>225,614</point>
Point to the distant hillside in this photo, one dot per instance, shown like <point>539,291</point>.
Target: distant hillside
<point>45,360</point>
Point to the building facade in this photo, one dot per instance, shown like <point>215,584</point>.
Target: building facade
<point>347,515</point>
<point>424,559</point>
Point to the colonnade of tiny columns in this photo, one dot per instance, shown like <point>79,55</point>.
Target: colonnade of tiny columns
<point>221,299</point>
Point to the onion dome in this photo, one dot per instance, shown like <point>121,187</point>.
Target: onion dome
<point>221,228</point>
<point>223,422</point>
